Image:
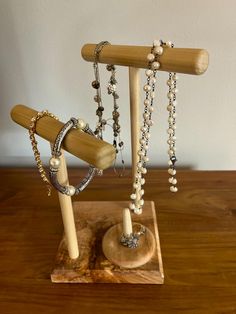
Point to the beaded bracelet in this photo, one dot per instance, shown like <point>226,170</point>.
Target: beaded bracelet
<point>34,143</point>
<point>54,162</point>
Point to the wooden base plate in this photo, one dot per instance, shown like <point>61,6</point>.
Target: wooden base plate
<point>92,220</point>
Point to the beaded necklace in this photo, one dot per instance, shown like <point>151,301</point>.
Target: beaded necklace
<point>112,90</point>
<point>137,201</point>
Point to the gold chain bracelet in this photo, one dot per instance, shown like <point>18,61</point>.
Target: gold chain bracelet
<point>32,132</point>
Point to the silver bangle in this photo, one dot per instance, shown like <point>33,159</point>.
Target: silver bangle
<point>54,162</point>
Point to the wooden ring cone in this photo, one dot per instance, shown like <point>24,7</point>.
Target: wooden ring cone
<point>126,257</point>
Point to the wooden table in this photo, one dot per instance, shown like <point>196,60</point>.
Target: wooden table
<point>198,238</point>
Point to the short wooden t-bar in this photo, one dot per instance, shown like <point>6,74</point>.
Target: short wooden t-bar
<point>180,60</point>
<point>82,145</point>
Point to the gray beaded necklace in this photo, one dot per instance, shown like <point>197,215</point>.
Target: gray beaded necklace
<point>111,89</point>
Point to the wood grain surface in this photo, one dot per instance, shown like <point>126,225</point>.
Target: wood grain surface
<point>180,60</point>
<point>130,260</point>
<point>80,144</point>
<point>100,249</point>
<point>197,229</point>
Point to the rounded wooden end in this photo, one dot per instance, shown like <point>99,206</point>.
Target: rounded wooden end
<point>126,257</point>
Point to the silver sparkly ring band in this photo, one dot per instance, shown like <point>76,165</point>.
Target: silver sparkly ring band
<point>54,162</point>
<point>131,241</point>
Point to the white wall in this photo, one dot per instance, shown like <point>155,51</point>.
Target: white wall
<point>41,66</point>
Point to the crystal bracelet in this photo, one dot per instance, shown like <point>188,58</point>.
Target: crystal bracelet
<point>54,162</point>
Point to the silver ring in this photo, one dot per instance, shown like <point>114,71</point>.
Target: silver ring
<point>131,241</point>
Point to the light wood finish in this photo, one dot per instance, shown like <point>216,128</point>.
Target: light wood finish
<point>93,219</point>
<point>134,89</point>
<point>182,60</point>
<point>84,146</point>
<point>134,86</point>
<point>129,258</point>
<point>197,228</point>
<point>127,228</point>
<point>67,211</point>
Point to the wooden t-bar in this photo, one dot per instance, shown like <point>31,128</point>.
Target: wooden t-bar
<point>84,146</point>
<point>180,60</point>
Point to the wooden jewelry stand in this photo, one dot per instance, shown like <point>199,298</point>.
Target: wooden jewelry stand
<point>93,229</point>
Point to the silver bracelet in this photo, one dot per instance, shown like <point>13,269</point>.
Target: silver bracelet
<point>54,162</point>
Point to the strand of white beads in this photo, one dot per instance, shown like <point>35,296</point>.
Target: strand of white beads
<point>171,95</point>
<point>149,89</point>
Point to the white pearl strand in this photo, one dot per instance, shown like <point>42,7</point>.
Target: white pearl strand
<point>137,201</point>
<point>171,82</point>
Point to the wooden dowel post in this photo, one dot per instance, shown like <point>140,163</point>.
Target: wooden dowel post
<point>127,222</point>
<point>134,84</point>
<point>67,212</point>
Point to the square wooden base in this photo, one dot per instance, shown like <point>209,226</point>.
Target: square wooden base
<point>92,220</point>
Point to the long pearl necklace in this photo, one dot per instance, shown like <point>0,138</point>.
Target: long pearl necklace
<point>137,201</point>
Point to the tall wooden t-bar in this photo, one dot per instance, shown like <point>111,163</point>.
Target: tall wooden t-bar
<point>179,60</point>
